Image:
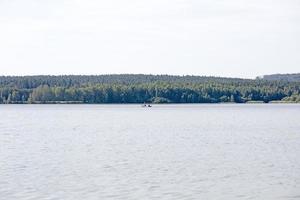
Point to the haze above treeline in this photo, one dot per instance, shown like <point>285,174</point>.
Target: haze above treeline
<point>140,88</point>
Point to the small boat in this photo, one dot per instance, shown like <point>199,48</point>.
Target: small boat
<point>146,105</point>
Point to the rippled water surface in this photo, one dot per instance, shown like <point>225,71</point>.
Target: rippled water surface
<point>87,152</point>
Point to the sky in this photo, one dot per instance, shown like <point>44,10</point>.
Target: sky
<point>229,38</point>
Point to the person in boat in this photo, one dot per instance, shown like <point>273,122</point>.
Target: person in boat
<point>146,105</point>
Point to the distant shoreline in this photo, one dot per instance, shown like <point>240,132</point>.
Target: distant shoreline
<point>83,103</point>
<point>126,88</point>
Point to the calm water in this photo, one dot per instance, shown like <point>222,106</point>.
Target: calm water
<point>87,152</point>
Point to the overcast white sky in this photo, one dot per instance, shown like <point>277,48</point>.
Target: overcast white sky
<point>237,38</point>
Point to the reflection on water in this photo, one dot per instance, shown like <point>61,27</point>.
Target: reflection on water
<point>90,152</point>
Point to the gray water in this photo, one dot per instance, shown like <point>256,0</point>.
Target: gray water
<point>87,152</point>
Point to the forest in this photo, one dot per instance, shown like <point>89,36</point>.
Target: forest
<point>139,88</point>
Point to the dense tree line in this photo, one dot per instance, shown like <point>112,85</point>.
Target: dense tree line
<point>30,82</point>
<point>143,88</point>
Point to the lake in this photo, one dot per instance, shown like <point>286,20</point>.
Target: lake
<point>200,151</point>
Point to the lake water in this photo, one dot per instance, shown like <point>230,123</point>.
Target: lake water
<point>92,152</point>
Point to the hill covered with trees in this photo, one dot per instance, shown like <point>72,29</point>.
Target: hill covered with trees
<point>128,88</point>
<point>283,77</point>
